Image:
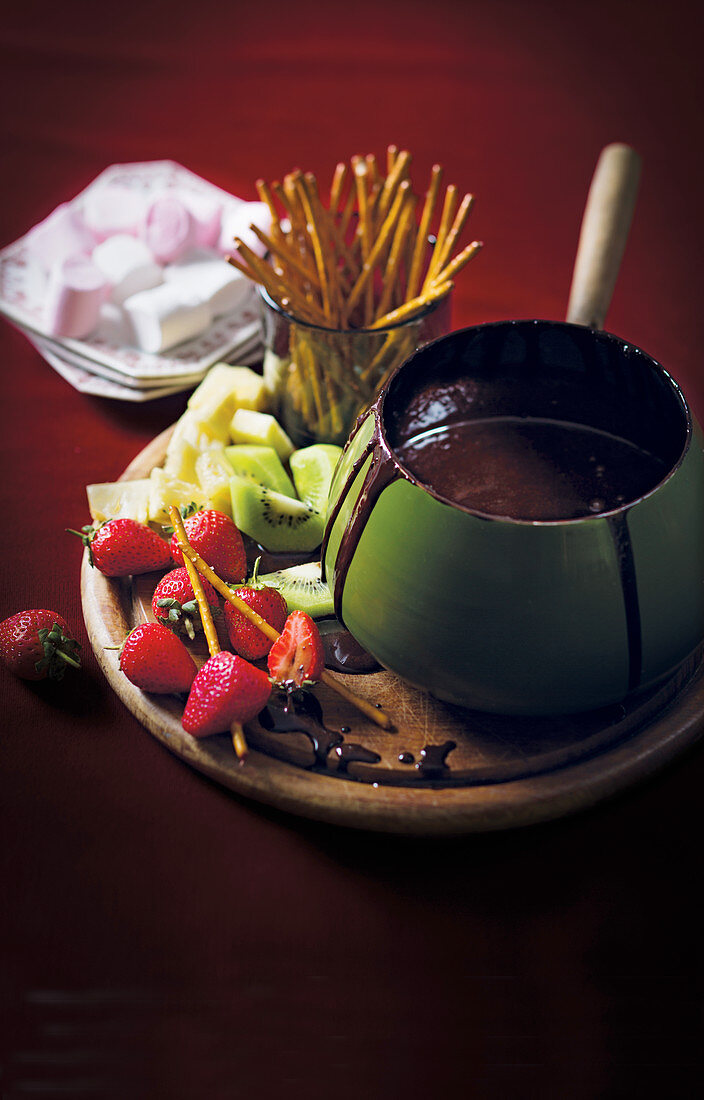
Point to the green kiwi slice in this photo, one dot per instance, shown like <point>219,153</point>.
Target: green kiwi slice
<point>303,589</point>
<point>275,521</point>
<point>261,464</point>
<point>312,469</point>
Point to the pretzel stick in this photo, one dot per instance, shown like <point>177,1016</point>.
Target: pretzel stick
<point>375,714</point>
<point>265,275</point>
<point>448,211</point>
<point>458,263</point>
<point>318,251</point>
<point>379,244</point>
<point>286,253</point>
<point>206,615</point>
<point>415,305</point>
<point>337,185</point>
<point>264,192</point>
<point>395,257</point>
<point>392,181</point>
<point>364,229</point>
<point>391,154</point>
<point>431,199</point>
<point>453,236</point>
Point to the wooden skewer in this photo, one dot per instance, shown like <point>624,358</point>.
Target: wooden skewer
<point>238,739</point>
<point>374,714</point>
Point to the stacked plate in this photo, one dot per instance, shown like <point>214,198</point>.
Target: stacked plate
<point>105,363</point>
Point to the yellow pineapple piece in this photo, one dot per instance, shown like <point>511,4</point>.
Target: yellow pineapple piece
<point>235,387</point>
<point>119,500</point>
<point>214,473</point>
<point>180,461</point>
<point>165,491</point>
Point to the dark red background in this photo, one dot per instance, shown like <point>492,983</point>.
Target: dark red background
<point>159,936</point>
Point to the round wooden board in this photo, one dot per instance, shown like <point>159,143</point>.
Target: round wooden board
<point>444,770</point>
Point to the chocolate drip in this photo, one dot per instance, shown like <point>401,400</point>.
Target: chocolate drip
<point>433,762</point>
<point>300,712</point>
<point>342,652</point>
<point>406,758</point>
<point>350,752</point>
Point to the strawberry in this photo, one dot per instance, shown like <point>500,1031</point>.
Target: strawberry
<point>246,638</point>
<point>226,689</point>
<point>154,659</point>
<point>174,602</point>
<point>218,541</point>
<point>37,644</point>
<point>297,655</point>
<point>120,547</point>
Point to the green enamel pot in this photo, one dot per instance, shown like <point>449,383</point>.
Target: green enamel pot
<point>513,615</point>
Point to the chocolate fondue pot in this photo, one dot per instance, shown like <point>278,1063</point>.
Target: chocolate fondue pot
<point>517,525</point>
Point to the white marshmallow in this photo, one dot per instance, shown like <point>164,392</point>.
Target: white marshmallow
<point>201,276</point>
<point>162,317</point>
<point>112,208</point>
<point>127,265</point>
<point>236,221</point>
<point>62,235</point>
<point>75,294</point>
<point>169,229</point>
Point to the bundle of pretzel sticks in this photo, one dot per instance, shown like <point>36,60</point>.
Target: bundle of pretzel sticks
<point>356,273</point>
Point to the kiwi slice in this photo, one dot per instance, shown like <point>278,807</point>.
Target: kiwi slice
<point>303,589</point>
<point>261,464</point>
<point>312,469</point>
<point>275,521</point>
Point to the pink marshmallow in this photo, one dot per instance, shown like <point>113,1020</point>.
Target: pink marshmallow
<point>76,291</point>
<point>207,214</point>
<point>169,229</point>
<point>113,208</point>
<point>61,235</point>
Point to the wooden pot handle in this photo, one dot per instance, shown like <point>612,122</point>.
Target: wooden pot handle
<point>602,238</point>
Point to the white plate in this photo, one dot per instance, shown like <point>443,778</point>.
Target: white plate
<point>23,284</point>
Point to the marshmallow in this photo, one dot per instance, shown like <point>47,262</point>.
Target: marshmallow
<point>127,265</point>
<point>202,277</point>
<point>113,208</point>
<point>236,222</point>
<point>169,229</point>
<point>75,294</point>
<point>162,317</point>
<point>62,235</point>
<point>207,214</point>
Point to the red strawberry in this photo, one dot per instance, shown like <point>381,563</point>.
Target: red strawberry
<point>120,547</point>
<point>174,602</point>
<point>218,541</point>
<point>226,689</point>
<point>297,655</point>
<point>154,659</point>
<point>246,638</point>
<point>37,644</point>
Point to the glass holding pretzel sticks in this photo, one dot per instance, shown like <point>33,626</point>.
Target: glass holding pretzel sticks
<point>353,282</point>
<point>321,379</point>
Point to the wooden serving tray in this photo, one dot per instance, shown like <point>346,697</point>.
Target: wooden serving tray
<point>444,770</point>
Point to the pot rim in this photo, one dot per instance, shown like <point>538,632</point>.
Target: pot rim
<point>377,410</point>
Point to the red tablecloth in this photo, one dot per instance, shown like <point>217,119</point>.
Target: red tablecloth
<point>161,937</point>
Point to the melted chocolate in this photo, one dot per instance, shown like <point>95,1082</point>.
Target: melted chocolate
<point>301,712</point>
<point>433,760</point>
<point>342,652</point>
<point>349,752</point>
<point>530,468</point>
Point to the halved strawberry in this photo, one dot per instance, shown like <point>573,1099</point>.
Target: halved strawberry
<point>227,689</point>
<point>297,656</point>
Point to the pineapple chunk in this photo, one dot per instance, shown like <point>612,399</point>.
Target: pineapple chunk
<point>165,490</point>
<point>195,428</point>
<point>249,426</point>
<point>241,387</point>
<point>180,461</point>
<point>214,473</point>
<point>120,500</point>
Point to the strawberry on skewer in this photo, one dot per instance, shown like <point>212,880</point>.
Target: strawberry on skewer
<point>227,690</point>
